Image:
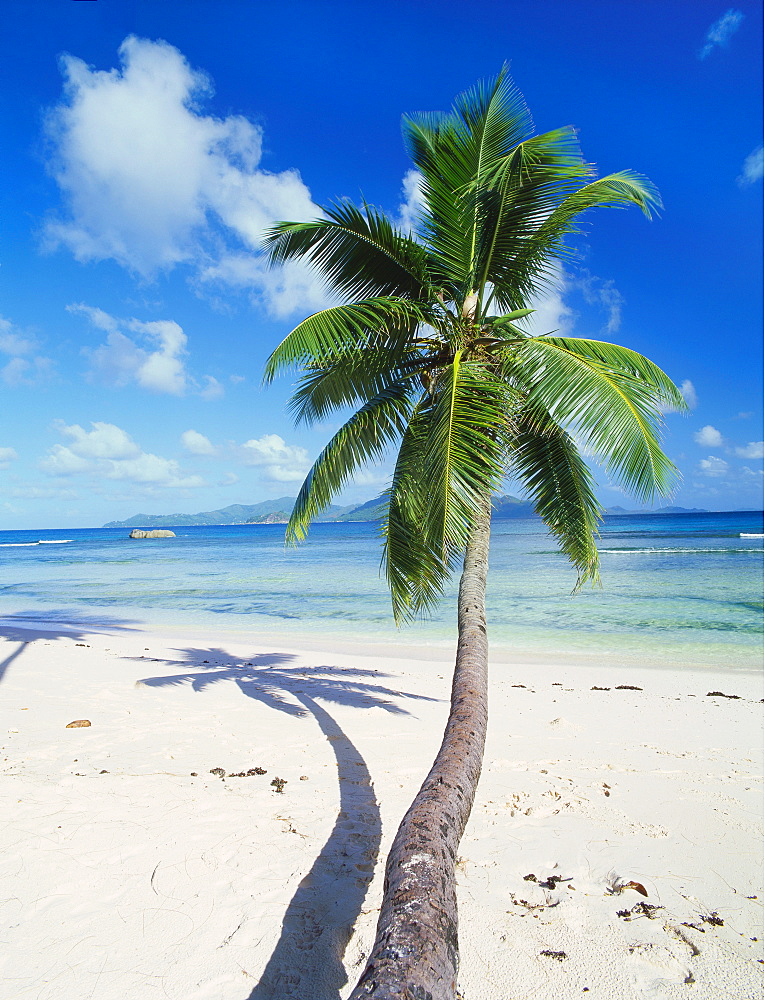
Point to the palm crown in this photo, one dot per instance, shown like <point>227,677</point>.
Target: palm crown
<point>432,351</point>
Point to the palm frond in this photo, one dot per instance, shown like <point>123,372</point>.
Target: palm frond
<point>358,253</point>
<point>613,411</point>
<point>339,329</point>
<point>618,190</point>
<point>463,458</point>
<point>450,150</point>
<point>416,571</point>
<point>363,438</point>
<point>350,379</point>
<point>546,460</point>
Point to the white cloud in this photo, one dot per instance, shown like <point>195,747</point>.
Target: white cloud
<point>414,202</point>
<point>11,342</point>
<point>197,443</point>
<point>20,370</point>
<point>550,311</point>
<point>281,291</point>
<point>162,370</point>
<point>280,461</point>
<point>713,467</point>
<point>151,182</point>
<point>213,389</point>
<point>154,360</point>
<point>720,33</point>
<point>755,449</point>
<point>752,169</point>
<point>108,452</point>
<point>688,392</point>
<point>7,455</point>
<point>104,441</point>
<point>709,437</point>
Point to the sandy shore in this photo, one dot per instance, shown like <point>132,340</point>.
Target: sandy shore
<point>132,868</point>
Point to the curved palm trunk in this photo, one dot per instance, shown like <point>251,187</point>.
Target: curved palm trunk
<point>415,955</point>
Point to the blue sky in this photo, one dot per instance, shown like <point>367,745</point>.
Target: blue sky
<point>146,145</point>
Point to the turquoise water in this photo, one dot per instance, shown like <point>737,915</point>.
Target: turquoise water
<point>678,590</point>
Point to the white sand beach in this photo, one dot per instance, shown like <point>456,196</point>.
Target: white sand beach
<point>134,869</point>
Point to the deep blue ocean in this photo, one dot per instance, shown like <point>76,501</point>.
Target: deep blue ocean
<point>679,590</point>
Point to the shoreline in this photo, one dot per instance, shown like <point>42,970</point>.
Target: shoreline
<point>502,654</point>
<point>138,870</point>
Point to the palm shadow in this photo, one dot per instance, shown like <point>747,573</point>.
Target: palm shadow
<point>25,629</point>
<point>308,958</point>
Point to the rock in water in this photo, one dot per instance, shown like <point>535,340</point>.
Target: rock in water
<point>154,533</point>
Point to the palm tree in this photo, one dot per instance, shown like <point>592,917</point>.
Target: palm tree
<point>433,351</point>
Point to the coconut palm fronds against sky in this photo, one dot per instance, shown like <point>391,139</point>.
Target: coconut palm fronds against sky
<point>149,146</point>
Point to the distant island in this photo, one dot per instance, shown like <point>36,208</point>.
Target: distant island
<point>278,511</point>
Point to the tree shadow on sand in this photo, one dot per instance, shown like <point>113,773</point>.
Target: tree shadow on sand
<point>307,961</point>
<point>25,629</point>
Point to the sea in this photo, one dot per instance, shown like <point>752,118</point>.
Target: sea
<point>678,590</point>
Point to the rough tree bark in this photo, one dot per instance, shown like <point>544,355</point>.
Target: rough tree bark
<point>415,953</point>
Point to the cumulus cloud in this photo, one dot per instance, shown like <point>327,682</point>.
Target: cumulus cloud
<point>27,372</point>
<point>713,467</point>
<point>755,449</point>
<point>413,203</point>
<point>21,369</point>
<point>212,388</point>
<point>550,310</point>
<point>279,290</point>
<point>7,455</point>
<point>688,392</point>
<point>12,342</point>
<point>150,181</point>
<point>154,358</point>
<point>720,33</point>
<point>197,444</point>
<point>752,169</point>
<point>108,452</point>
<point>279,461</point>
<point>709,437</point>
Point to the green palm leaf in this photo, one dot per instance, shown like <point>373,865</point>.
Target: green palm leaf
<point>450,150</point>
<point>415,569</point>
<point>339,329</point>
<point>350,379</point>
<point>358,253</point>
<point>463,458</point>
<point>499,203</point>
<point>363,438</point>
<point>614,411</point>
<point>545,458</point>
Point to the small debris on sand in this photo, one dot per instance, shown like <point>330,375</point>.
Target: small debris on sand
<point>78,724</point>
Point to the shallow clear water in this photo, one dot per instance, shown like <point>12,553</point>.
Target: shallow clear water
<point>677,590</point>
